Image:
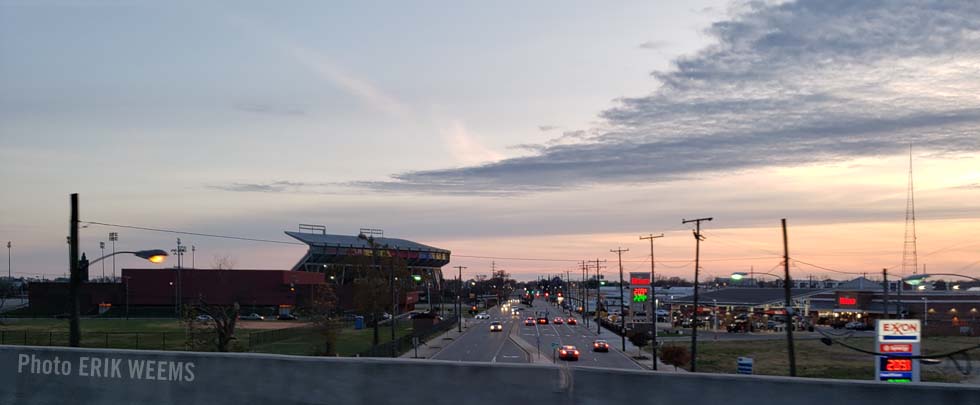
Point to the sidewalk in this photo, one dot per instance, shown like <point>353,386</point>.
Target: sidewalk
<point>616,343</point>
<point>429,348</point>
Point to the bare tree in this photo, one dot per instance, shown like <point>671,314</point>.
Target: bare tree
<point>223,263</point>
<point>210,326</point>
<point>321,312</point>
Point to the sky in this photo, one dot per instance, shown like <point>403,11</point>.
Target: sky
<point>552,131</point>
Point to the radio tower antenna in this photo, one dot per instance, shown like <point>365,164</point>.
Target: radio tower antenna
<point>910,257</point>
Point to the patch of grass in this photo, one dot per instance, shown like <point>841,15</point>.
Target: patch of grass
<point>816,360</point>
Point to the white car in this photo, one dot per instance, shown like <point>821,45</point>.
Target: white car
<point>483,315</point>
<point>253,317</point>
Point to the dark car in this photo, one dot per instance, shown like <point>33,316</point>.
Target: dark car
<point>542,320</point>
<point>558,321</point>
<point>571,321</point>
<point>600,346</point>
<point>496,326</point>
<point>286,317</point>
<point>568,353</point>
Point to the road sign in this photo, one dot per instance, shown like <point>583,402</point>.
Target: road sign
<point>900,339</point>
<point>744,365</point>
<point>554,345</point>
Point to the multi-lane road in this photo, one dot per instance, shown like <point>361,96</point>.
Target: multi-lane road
<point>479,344</point>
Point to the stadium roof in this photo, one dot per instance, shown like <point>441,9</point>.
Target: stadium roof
<point>316,239</point>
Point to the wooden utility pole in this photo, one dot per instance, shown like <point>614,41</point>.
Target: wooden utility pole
<point>787,285</point>
<point>622,296</point>
<point>75,279</point>
<point>653,293</point>
<point>697,266</point>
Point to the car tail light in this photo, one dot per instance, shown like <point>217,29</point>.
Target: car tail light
<point>596,345</point>
<point>562,352</point>
<point>576,352</point>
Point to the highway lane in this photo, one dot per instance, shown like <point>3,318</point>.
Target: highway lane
<point>478,343</point>
<point>546,336</point>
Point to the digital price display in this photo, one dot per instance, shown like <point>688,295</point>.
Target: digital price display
<point>892,364</point>
<point>895,369</point>
<point>640,294</point>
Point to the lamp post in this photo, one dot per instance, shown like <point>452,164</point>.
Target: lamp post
<point>113,237</point>
<point>102,248</point>
<point>9,271</point>
<point>176,301</point>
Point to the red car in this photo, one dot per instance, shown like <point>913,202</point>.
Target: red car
<point>557,321</point>
<point>571,321</point>
<point>529,321</point>
<point>600,346</point>
<point>543,320</point>
<point>568,353</point>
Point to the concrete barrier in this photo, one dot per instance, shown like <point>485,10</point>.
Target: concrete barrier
<point>45,375</point>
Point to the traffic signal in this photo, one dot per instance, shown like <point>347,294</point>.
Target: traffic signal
<point>416,277</point>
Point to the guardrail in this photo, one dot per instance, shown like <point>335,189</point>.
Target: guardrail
<point>40,375</point>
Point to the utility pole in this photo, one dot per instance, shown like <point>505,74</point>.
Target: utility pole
<point>598,295</point>
<point>884,310</point>
<point>653,293</point>
<point>622,296</point>
<point>697,265</point>
<point>9,271</point>
<point>193,261</point>
<point>787,284</point>
<point>459,292</point>
<point>75,280</point>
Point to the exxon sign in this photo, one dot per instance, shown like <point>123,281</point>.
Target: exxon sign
<point>899,330</point>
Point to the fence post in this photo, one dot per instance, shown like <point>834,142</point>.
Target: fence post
<point>25,338</point>
<point>50,336</point>
<point>106,340</point>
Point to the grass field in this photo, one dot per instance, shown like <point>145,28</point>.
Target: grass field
<point>169,334</point>
<point>814,359</point>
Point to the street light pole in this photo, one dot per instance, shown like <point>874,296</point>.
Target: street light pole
<point>459,302</point>
<point>102,248</point>
<point>9,271</point>
<point>113,237</point>
<point>925,311</point>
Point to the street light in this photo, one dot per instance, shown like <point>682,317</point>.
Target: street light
<point>917,279</point>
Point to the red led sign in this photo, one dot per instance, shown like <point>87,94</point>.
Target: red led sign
<point>640,291</point>
<point>847,300</point>
<point>895,348</point>
<point>898,365</point>
<point>637,280</point>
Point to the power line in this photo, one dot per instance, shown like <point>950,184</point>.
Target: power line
<point>143,228</point>
<point>828,269</point>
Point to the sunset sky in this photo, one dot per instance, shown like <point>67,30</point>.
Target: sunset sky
<point>553,131</point>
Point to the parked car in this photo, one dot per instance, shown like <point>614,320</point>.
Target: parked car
<point>252,317</point>
<point>286,317</point>
<point>204,318</point>
<point>857,325</point>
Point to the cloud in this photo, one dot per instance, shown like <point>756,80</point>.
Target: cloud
<point>465,146</point>
<point>281,186</point>
<point>973,186</point>
<point>783,85</point>
<point>546,128</point>
<point>653,45</point>
<point>270,109</point>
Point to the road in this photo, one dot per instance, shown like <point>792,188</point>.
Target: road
<point>479,344</point>
<point>547,336</point>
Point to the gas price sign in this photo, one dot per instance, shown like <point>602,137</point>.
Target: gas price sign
<point>898,339</point>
